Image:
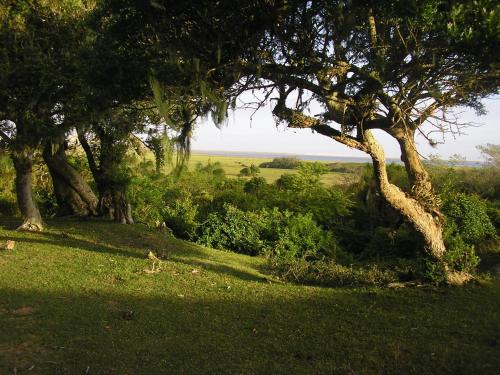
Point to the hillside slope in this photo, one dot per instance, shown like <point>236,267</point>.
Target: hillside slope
<point>83,298</point>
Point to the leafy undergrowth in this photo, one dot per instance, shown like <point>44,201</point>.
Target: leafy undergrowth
<point>84,298</point>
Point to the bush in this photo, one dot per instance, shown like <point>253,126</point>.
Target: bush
<point>8,203</point>
<point>233,230</point>
<point>210,169</point>
<point>250,171</point>
<point>459,257</point>
<point>146,195</point>
<point>273,232</point>
<point>255,185</point>
<point>181,217</point>
<point>295,236</point>
<point>402,242</point>
<point>467,217</point>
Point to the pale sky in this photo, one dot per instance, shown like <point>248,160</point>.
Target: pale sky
<point>261,135</point>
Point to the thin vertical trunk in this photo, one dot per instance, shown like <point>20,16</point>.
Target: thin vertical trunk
<point>30,214</point>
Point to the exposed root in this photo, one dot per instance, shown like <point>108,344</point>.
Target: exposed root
<point>456,278</point>
<point>31,226</point>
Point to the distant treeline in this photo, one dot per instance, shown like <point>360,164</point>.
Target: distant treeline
<point>294,163</point>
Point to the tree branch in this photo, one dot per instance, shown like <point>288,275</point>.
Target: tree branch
<point>296,119</point>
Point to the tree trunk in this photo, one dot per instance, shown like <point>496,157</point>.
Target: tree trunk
<point>122,209</point>
<point>417,174</point>
<point>428,224</point>
<point>423,216</point>
<point>23,164</point>
<point>113,204</point>
<point>73,194</point>
<point>112,199</point>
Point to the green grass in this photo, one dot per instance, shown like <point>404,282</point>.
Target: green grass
<point>67,295</point>
<point>232,165</point>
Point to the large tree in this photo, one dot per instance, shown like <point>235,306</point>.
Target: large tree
<point>396,66</point>
<point>38,39</point>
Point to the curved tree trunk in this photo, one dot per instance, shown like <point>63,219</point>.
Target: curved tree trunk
<point>428,224</point>
<point>417,174</point>
<point>421,209</point>
<point>73,194</point>
<point>23,164</point>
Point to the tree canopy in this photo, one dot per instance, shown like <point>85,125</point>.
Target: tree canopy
<point>109,68</point>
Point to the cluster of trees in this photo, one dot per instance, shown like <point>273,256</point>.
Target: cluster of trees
<point>108,69</point>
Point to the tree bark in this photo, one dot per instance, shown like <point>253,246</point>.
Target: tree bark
<point>417,174</point>
<point>73,194</point>
<point>426,219</point>
<point>426,223</point>
<point>112,199</point>
<point>30,214</point>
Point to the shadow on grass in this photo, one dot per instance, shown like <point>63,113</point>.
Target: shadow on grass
<point>57,240</point>
<point>347,333</point>
<point>214,266</point>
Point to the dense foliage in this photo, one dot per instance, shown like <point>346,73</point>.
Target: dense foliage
<point>309,232</point>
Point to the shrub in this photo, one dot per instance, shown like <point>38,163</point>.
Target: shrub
<point>460,256</point>
<point>8,203</point>
<point>250,171</point>
<point>295,236</point>
<point>234,230</point>
<point>210,169</point>
<point>181,217</point>
<point>467,217</point>
<point>255,185</point>
<point>402,242</point>
<point>273,232</point>
<point>146,195</point>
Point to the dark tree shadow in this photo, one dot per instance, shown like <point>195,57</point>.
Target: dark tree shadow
<point>366,333</point>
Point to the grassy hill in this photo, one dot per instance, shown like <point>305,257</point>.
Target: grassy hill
<point>82,298</point>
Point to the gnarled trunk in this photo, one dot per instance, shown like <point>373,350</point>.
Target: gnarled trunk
<point>428,224</point>
<point>421,208</point>
<point>73,194</point>
<point>23,164</point>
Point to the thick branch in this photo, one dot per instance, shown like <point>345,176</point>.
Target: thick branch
<point>296,119</point>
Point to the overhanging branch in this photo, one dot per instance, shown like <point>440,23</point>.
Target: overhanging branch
<point>297,120</point>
